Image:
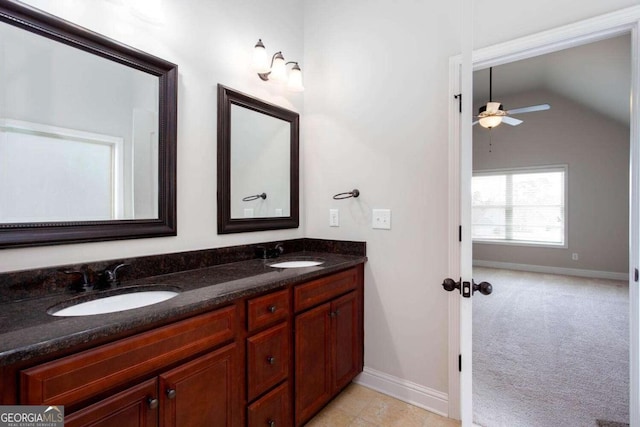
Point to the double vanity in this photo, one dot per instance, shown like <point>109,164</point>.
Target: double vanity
<point>258,342</point>
<point>217,337</point>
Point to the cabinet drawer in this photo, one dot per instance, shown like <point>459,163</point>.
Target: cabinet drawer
<point>323,289</point>
<point>267,310</point>
<point>72,379</point>
<point>272,409</point>
<point>267,359</point>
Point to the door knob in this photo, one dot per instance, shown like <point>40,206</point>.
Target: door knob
<point>450,284</point>
<point>485,288</point>
<point>467,288</point>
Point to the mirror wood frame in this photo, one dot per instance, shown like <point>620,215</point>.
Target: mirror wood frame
<point>50,233</point>
<point>226,98</point>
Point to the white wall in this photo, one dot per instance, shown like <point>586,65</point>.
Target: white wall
<point>497,21</point>
<point>212,42</point>
<point>596,150</point>
<point>375,119</point>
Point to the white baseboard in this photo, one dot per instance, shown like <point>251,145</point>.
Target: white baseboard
<point>407,391</point>
<point>595,274</point>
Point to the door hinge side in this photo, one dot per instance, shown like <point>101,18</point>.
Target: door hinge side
<point>636,275</point>
<point>459,98</point>
<point>459,363</point>
<point>459,233</point>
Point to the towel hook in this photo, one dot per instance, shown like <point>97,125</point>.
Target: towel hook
<point>347,195</point>
<point>255,197</point>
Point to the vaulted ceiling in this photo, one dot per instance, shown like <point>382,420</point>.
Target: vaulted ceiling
<point>596,75</point>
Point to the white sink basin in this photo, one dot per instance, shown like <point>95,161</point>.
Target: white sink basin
<point>296,264</point>
<point>115,303</point>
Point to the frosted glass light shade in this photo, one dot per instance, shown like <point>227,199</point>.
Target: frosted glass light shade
<point>295,79</point>
<point>279,69</point>
<point>260,62</point>
<point>490,121</point>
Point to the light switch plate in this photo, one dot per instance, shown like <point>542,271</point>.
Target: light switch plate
<point>334,218</point>
<point>381,218</point>
<point>248,213</point>
<point>278,211</point>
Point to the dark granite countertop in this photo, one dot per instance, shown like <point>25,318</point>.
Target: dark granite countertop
<point>27,331</point>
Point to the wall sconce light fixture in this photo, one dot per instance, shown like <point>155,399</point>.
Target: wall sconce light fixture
<point>277,69</point>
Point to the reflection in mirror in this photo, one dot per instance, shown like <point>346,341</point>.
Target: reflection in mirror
<point>87,134</point>
<point>260,164</point>
<point>257,164</point>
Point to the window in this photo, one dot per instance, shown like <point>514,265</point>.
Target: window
<point>520,206</point>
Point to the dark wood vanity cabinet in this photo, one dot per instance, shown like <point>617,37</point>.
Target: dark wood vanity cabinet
<point>273,360</point>
<point>328,339</point>
<point>188,372</point>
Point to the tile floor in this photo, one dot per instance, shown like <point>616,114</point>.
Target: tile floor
<point>358,406</point>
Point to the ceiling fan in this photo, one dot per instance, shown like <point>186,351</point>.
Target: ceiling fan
<point>492,114</point>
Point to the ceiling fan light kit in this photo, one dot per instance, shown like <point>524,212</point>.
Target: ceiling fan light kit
<point>493,114</point>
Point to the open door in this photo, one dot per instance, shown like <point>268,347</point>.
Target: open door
<point>460,282</point>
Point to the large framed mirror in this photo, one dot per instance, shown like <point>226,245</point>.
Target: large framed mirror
<point>258,145</point>
<point>87,134</point>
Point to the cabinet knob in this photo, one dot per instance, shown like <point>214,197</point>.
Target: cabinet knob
<point>334,313</point>
<point>271,423</point>
<point>271,360</point>
<point>272,309</point>
<point>152,402</point>
<point>171,393</point>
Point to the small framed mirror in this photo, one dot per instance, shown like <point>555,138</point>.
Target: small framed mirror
<point>87,134</point>
<point>258,146</point>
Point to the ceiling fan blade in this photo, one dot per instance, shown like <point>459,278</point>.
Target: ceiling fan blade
<point>530,109</point>
<point>511,121</point>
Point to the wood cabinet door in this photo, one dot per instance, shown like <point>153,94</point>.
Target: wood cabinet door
<point>134,407</point>
<point>203,392</point>
<point>346,340</point>
<point>312,361</point>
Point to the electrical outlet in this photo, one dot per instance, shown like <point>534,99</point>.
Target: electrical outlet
<point>248,213</point>
<point>574,256</point>
<point>334,218</point>
<point>278,211</point>
<point>381,218</point>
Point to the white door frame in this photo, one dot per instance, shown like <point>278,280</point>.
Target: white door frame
<point>625,21</point>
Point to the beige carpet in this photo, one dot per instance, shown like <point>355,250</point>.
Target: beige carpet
<point>550,350</point>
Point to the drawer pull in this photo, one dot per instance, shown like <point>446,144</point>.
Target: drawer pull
<point>153,403</point>
<point>334,313</point>
<point>271,423</point>
<point>271,360</point>
<point>272,309</point>
<point>171,393</point>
